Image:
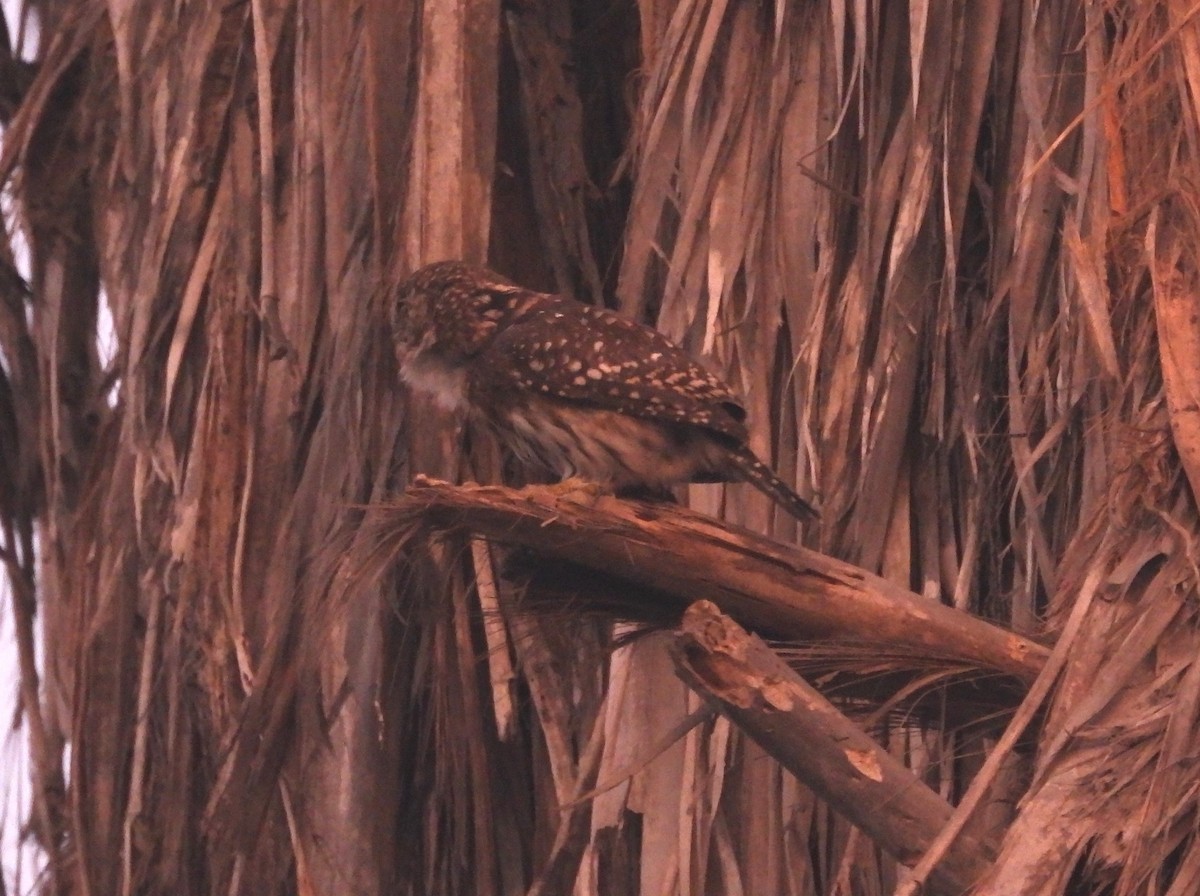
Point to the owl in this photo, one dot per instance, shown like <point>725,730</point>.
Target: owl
<point>579,391</point>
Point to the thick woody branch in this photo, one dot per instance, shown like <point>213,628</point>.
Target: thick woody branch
<point>780,591</point>
<point>827,751</point>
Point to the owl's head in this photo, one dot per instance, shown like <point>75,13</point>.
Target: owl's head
<point>451,310</point>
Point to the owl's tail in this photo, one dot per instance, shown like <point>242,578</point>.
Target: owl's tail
<point>750,469</point>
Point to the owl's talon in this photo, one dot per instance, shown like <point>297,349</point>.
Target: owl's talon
<point>578,490</point>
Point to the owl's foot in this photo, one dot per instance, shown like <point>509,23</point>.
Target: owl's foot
<point>579,491</point>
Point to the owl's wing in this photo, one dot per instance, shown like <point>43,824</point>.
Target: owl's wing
<point>592,356</point>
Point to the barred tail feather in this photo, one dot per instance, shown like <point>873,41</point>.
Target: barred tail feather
<point>752,470</point>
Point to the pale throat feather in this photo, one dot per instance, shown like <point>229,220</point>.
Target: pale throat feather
<point>441,380</point>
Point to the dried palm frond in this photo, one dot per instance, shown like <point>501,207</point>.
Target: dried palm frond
<point>947,251</point>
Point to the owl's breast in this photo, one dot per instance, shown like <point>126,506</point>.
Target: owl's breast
<point>609,447</point>
<point>443,381</point>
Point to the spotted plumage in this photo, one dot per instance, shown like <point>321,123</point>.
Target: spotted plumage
<point>577,390</point>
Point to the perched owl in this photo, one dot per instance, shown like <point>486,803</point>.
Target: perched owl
<point>579,391</point>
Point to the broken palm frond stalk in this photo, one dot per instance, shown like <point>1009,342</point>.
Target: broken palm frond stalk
<point>792,722</point>
<point>781,591</point>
